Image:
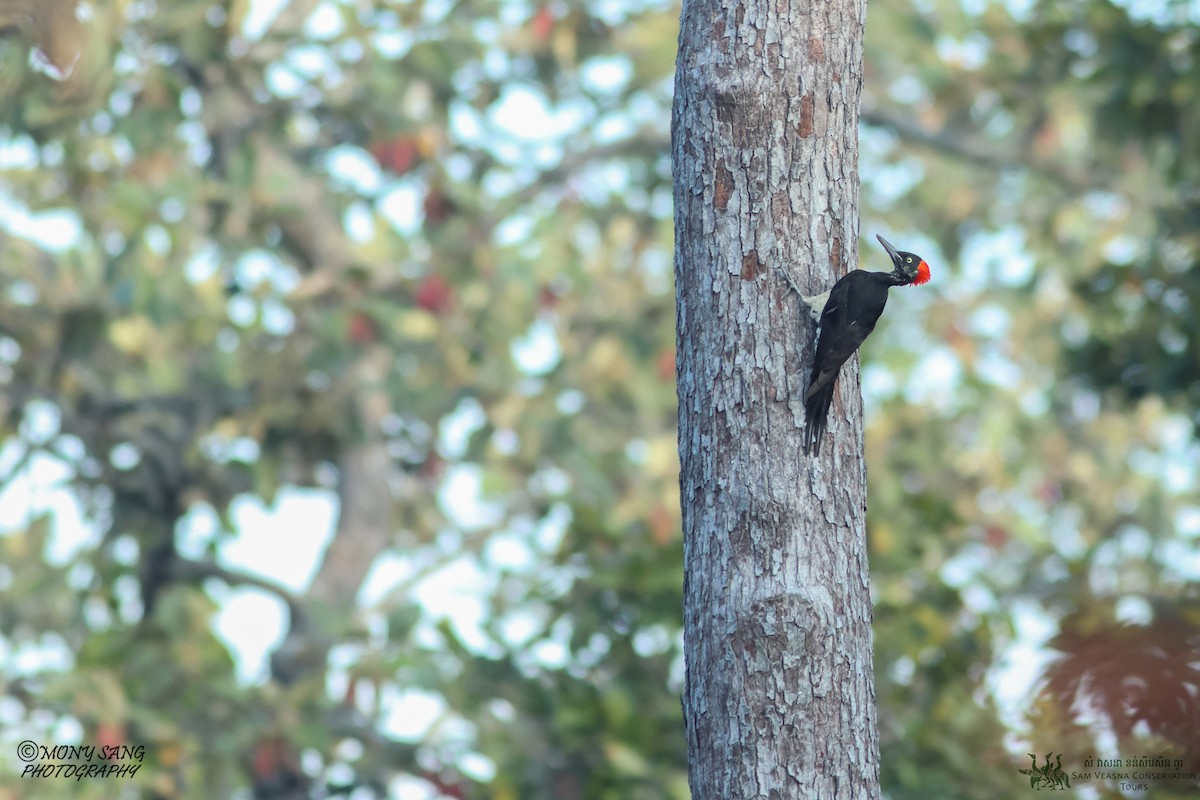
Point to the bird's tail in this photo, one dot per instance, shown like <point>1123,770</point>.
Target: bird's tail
<point>816,414</point>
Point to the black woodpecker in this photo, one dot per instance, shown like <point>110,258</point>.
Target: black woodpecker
<point>846,315</point>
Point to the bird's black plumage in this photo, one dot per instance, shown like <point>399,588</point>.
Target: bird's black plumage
<point>849,315</point>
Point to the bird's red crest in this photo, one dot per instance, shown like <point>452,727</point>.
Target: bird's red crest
<point>923,274</point>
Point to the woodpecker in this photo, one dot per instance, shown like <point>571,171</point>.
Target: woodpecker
<point>845,316</point>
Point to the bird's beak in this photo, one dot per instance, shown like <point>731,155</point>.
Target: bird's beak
<point>891,251</point>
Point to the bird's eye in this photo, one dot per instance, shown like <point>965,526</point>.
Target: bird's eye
<point>909,259</point>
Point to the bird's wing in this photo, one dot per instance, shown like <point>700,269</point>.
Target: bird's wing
<point>840,334</point>
<point>833,350</point>
<point>837,345</point>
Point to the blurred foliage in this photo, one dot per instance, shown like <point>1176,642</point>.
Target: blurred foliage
<point>240,255</point>
<point>234,253</point>
<point>1033,458</point>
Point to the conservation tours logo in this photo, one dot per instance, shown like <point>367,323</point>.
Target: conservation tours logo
<point>1129,774</point>
<point>1048,776</point>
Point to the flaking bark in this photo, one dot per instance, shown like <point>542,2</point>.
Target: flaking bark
<point>780,696</point>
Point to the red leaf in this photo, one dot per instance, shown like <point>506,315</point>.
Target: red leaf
<point>446,785</point>
<point>432,468</point>
<point>437,207</point>
<point>542,24</point>
<point>397,155</point>
<point>662,525</point>
<point>996,536</point>
<point>109,734</point>
<point>435,294</point>
<point>664,365</point>
<point>361,329</point>
<point>273,756</point>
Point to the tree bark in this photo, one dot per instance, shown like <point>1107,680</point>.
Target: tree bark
<point>780,694</point>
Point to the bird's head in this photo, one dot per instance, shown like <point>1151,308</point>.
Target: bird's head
<point>909,266</point>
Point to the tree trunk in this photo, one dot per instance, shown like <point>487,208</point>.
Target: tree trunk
<point>780,694</point>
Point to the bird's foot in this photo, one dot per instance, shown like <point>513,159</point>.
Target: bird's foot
<point>814,303</point>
